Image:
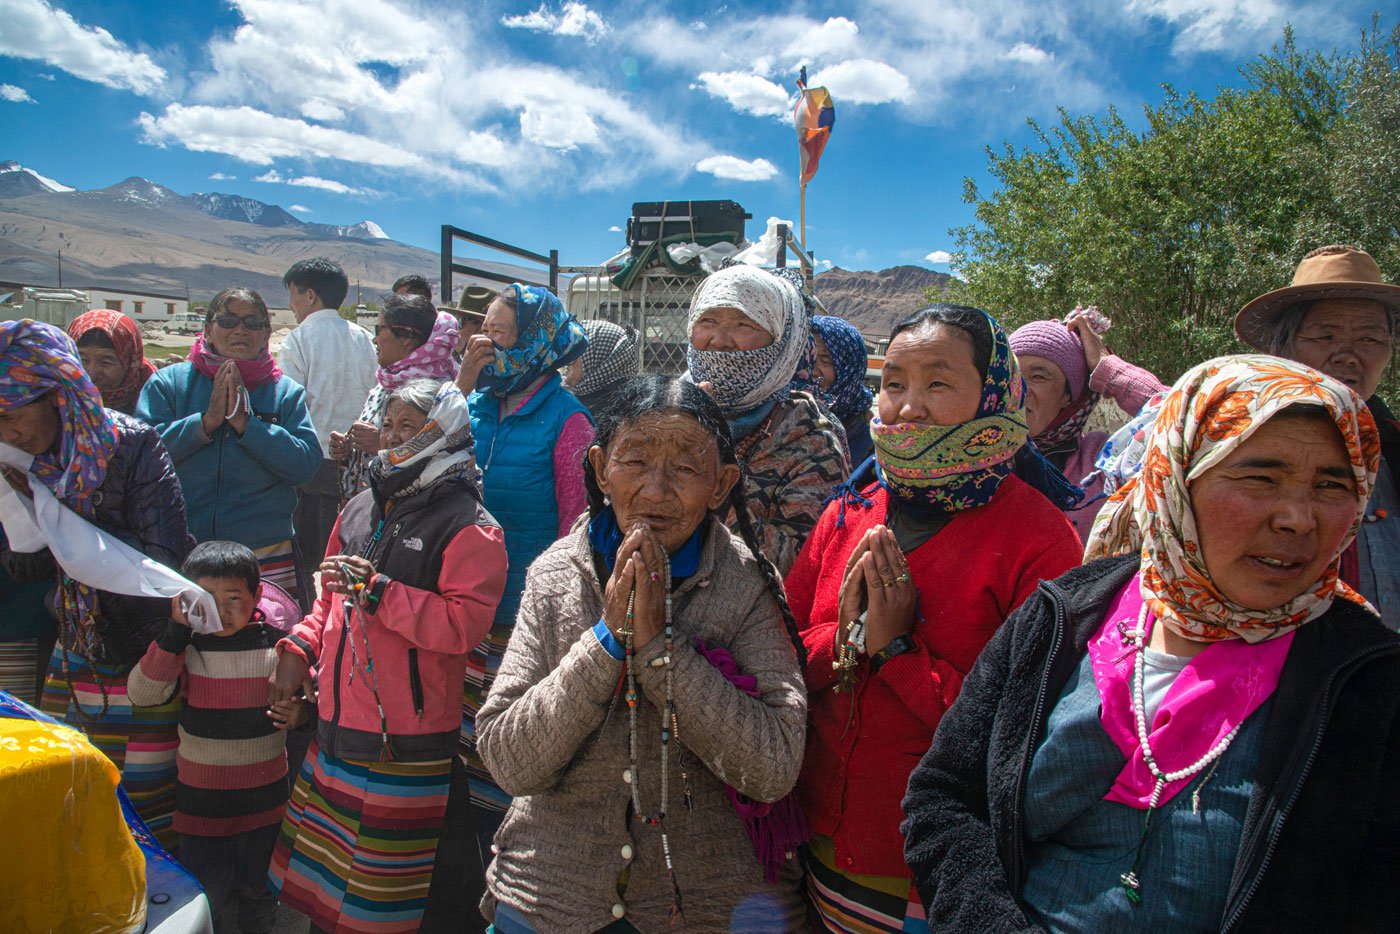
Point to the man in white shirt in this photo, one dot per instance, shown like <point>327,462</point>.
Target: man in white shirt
<point>334,360</point>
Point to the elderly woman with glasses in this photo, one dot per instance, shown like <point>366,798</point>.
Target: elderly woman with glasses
<point>239,433</point>
<point>1338,316</point>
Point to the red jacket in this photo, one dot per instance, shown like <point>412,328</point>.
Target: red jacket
<point>970,576</point>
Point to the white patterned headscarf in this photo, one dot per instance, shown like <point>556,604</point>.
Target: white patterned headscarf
<point>743,380</point>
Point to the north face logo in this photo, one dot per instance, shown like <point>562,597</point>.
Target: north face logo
<point>415,543</point>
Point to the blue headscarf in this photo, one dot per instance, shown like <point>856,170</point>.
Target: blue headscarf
<point>849,395</point>
<point>548,337</point>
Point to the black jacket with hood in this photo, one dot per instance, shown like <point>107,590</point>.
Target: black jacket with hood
<point>1320,847</point>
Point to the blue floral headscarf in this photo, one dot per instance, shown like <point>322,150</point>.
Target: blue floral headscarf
<point>849,395</point>
<point>548,338</point>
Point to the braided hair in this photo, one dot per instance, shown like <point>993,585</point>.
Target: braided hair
<point>645,395</point>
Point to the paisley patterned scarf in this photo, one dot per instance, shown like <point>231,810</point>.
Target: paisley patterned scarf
<point>1213,409</point>
<point>36,359</point>
<point>548,337</point>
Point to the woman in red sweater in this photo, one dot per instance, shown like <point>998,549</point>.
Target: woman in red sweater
<point>899,588</point>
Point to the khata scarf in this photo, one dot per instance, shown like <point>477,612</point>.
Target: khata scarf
<point>743,380</point>
<point>259,371</point>
<point>441,450</point>
<point>951,468</point>
<point>849,395</point>
<point>611,359</point>
<point>547,338</point>
<point>126,343</point>
<point>37,358</point>
<point>430,360</point>
<point>1211,411</point>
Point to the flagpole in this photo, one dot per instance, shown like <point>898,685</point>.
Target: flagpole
<point>803,202</point>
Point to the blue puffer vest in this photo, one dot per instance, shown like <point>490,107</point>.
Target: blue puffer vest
<point>516,457</point>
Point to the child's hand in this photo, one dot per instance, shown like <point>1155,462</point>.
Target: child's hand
<point>290,713</point>
<point>177,612</point>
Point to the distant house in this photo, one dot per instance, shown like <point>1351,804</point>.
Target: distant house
<point>142,306</point>
<point>52,306</point>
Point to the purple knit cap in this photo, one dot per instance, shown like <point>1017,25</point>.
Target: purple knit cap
<point>1058,344</point>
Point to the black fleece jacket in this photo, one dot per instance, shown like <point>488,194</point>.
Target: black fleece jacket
<point>1320,848</point>
<point>140,503</point>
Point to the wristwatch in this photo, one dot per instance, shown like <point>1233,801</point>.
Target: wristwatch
<point>897,646</point>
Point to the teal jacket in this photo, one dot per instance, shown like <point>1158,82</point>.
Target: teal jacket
<point>236,489</point>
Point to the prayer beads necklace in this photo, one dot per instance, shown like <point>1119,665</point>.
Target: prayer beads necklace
<point>669,726</point>
<point>1137,642</point>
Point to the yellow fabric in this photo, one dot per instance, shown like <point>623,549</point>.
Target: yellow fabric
<point>68,860</point>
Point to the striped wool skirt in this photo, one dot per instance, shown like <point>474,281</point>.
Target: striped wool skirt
<point>19,667</point>
<point>854,904</point>
<point>140,741</point>
<point>357,845</point>
<point>278,563</point>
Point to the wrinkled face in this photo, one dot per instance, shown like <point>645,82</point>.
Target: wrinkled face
<point>826,367</point>
<point>930,378</point>
<point>401,422</point>
<point>33,428</point>
<point>239,331</point>
<point>235,601</point>
<point>103,367</point>
<point>501,325</point>
<point>663,471</point>
<point>1272,515</point>
<point>1348,339</point>
<point>1047,391</point>
<point>392,344</point>
<point>727,329</point>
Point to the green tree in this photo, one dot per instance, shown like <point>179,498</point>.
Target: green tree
<point>1172,228</point>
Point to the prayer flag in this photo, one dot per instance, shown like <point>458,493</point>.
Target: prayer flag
<point>814,115</point>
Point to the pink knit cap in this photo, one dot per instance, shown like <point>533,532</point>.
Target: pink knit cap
<point>1058,344</point>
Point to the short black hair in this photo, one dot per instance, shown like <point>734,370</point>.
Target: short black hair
<point>322,276</point>
<point>414,285</point>
<point>223,559</point>
<point>96,337</point>
<point>413,313</point>
<point>219,302</point>
<point>971,321</point>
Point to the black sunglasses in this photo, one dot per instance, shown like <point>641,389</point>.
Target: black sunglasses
<point>228,321</point>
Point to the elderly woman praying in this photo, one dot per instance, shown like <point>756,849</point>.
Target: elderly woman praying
<point>1193,732</point>
<point>649,715</point>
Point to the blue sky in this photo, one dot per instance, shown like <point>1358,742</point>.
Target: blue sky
<point>541,123</point>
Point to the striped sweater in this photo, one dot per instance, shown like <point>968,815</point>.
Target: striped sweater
<point>232,760</point>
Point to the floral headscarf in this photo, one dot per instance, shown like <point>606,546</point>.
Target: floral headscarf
<point>37,358</point>
<point>743,380</point>
<point>1213,409</point>
<point>849,395</point>
<point>430,360</point>
<point>548,338</point>
<point>955,467</point>
<point>441,449</point>
<point>125,337</point>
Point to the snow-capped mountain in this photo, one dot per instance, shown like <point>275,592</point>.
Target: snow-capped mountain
<point>17,180</point>
<point>239,208</point>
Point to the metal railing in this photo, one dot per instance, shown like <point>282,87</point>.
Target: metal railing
<point>450,265</point>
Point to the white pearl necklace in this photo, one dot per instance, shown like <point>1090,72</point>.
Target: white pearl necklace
<point>1137,641</point>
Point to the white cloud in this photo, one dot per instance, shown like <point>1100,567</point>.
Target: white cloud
<point>1216,25</point>
<point>735,169</point>
<point>614,229</point>
<point>573,19</point>
<point>837,37</point>
<point>311,181</point>
<point>34,30</point>
<point>15,95</point>
<point>324,111</point>
<point>863,81</point>
<point>300,209</point>
<point>939,258</point>
<point>823,264</point>
<point>1027,54</point>
<point>221,177</point>
<point>747,93</point>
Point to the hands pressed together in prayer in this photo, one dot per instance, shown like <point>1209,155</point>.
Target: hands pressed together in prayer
<point>641,564</point>
<point>228,402</point>
<point>878,582</point>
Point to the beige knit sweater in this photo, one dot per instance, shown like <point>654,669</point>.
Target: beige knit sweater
<point>546,734</point>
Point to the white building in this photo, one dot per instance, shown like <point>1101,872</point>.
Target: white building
<point>141,306</point>
<point>52,306</point>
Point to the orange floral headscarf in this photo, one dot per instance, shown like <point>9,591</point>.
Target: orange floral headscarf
<point>1209,413</point>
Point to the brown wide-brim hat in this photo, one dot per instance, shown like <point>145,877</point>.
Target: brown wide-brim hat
<point>1335,271</point>
<point>474,300</point>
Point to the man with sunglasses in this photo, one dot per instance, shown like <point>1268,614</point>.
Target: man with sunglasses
<point>333,359</point>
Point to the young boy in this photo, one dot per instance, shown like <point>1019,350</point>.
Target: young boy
<point>232,784</point>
